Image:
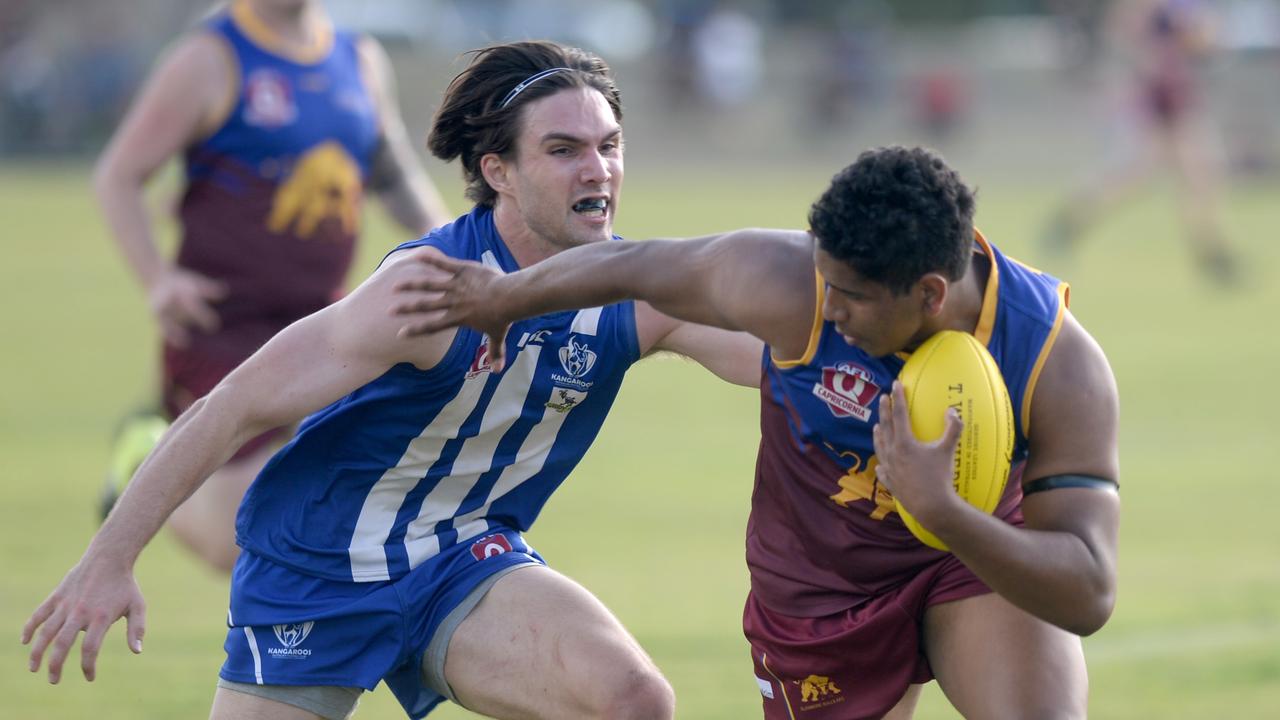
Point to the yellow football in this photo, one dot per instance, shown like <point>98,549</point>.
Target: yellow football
<point>953,370</point>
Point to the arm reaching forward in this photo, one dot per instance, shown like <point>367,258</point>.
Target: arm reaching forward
<point>310,364</point>
<point>756,281</point>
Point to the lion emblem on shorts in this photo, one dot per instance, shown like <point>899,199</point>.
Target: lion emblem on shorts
<point>816,687</point>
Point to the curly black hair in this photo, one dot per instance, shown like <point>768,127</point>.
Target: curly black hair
<point>474,120</point>
<point>896,214</point>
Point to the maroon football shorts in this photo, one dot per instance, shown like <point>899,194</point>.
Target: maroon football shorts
<point>856,663</point>
<point>191,372</point>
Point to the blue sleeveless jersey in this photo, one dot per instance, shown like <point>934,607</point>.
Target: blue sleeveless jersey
<point>823,533</point>
<point>286,108</point>
<point>418,461</point>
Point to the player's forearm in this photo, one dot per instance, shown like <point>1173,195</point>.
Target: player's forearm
<point>121,199</point>
<point>413,201</point>
<point>1055,575</point>
<point>664,273</point>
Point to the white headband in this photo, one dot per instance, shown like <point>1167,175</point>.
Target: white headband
<point>526,83</point>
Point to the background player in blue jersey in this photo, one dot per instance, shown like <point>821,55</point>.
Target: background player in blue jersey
<point>282,123</point>
<point>383,543</point>
<point>848,612</point>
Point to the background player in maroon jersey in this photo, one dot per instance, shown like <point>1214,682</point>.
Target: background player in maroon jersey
<point>1163,120</point>
<point>848,613</point>
<point>283,123</point>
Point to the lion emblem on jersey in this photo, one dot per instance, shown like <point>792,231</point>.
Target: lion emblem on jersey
<point>325,183</point>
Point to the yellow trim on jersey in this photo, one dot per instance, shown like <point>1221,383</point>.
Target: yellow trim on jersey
<point>991,298</point>
<point>815,332</point>
<point>212,124</point>
<point>782,687</point>
<point>1064,296</point>
<point>267,39</point>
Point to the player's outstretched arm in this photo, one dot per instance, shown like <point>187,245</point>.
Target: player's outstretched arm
<point>756,281</point>
<point>1061,566</point>
<point>310,364</point>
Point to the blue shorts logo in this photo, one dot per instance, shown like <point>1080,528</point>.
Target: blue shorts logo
<point>291,636</point>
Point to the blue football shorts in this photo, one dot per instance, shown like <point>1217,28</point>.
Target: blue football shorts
<point>288,628</point>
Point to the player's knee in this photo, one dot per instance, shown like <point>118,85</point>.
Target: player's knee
<point>645,696</point>
<point>1063,705</point>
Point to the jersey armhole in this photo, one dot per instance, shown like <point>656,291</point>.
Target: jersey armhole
<point>210,125</point>
<point>1064,293</point>
<point>815,330</point>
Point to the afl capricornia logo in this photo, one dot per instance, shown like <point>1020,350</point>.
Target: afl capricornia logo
<point>848,390</point>
<point>490,545</point>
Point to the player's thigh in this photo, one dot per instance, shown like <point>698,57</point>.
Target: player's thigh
<point>993,660</point>
<point>232,705</point>
<point>906,707</point>
<point>540,645</point>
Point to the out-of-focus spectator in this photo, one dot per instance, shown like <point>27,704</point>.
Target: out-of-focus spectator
<point>728,49</point>
<point>853,41</point>
<point>940,101</point>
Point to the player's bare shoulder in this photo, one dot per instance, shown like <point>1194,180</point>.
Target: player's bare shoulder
<point>367,320</point>
<point>1075,408</point>
<point>773,283</point>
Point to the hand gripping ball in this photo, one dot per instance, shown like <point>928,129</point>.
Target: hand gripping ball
<point>953,370</point>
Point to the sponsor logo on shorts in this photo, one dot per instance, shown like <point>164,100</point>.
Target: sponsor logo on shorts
<point>490,545</point>
<point>766,687</point>
<point>818,691</point>
<point>848,390</point>
<point>290,637</point>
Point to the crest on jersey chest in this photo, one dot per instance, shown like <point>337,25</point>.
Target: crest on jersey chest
<point>268,99</point>
<point>848,389</point>
<point>577,360</point>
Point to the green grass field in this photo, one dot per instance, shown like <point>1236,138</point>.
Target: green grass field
<point>653,519</point>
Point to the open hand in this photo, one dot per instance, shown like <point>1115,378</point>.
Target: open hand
<point>448,292</point>
<point>89,599</point>
<point>182,300</point>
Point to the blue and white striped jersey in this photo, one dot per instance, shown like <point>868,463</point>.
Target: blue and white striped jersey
<point>417,461</point>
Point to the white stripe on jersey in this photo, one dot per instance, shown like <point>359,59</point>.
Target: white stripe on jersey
<point>475,458</point>
<point>489,260</point>
<point>532,456</point>
<point>533,452</point>
<point>378,514</point>
<point>587,322</point>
